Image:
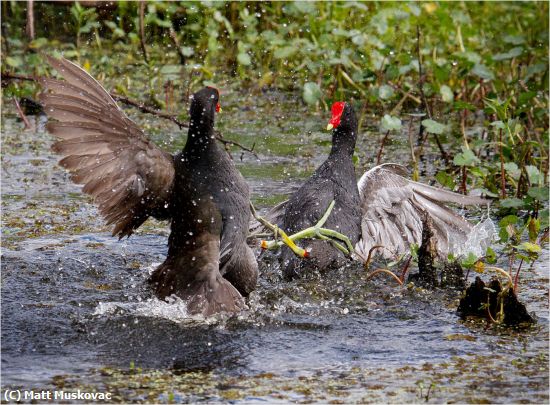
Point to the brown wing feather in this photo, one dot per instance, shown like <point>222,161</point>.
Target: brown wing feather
<point>126,174</point>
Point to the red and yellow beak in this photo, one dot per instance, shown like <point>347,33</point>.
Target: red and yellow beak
<point>337,111</point>
<point>218,108</point>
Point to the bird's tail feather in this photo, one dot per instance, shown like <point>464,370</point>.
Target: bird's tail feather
<point>204,295</point>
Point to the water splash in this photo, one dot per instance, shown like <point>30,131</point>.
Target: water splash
<point>479,239</point>
<point>173,309</point>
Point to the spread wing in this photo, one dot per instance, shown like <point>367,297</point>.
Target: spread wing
<point>392,208</point>
<point>127,175</point>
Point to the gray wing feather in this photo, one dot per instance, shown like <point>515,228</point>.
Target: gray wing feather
<point>127,175</point>
<point>392,207</point>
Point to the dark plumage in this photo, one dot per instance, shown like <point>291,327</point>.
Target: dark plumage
<point>333,180</point>
<point>383,209</point>
<point>199,189</point>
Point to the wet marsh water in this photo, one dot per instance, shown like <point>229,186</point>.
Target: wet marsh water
<point>77,311</point>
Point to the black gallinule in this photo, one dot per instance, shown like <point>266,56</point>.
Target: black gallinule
<point>334,181</point>
<point>383,209</point>
<point>199,190</point>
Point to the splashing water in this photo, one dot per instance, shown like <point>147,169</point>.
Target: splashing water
<point>173,309</point>
<point>479,239</point>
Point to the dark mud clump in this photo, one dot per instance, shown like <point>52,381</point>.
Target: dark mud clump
<point>427,253</point>
<point>494,303</point>
<point>451,274</point>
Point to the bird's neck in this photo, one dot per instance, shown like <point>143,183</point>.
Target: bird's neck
<point>200,137</point>
<point>343,142</point>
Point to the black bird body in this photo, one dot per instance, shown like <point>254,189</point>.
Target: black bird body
<point>205,175</point>
<point>383,209</point>
<point>333,180</point>
<point>199,190</point>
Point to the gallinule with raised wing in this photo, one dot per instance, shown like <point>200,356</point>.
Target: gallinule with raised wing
<point>199,190</point>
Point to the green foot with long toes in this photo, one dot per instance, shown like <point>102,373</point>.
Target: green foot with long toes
<point>313,232</point>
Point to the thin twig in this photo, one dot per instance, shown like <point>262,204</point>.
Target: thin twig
<point>21,114</point>
<point>381,149</point>
<point>227,142</point>
<point>142,5</point>
<point>14,76</point>
<point>30,19</point>
<point>143,108</point>
<point>405,269</point>
<point>176,42</point>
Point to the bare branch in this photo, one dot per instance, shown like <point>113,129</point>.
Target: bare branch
<point>142,5</point>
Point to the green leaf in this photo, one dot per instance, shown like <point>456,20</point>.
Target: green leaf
<point>446,94</point>
<point>486,193</point>
<point>472,57</point>
<point>385,92</point>
<point>462,105</point>
<point>490,256</point>
<point>511,203</point>
<point>390,123</point>
<point>171,69</point>
<point>534,174</point>
<point>498,124</point>
<point>483,72</point>
<point>187,51</point>
<point>311,93</point>
<point>512,169</point>
<point>162,23</point>
<point>514,39</point>
<point>512,53</point>
<point>535,69</point>
<point>359,40</point>
<point>38,43</point>
<point>244,59</point>
<point>285,52</point>
<point>544,218</point>
<point>539,193</point>
<point>529,247</point>
<point>445,179</point>
<point>469,261</point>
<point>534,228</point>
<point>14,61</point>
<point>466,158</point>
<point>433,127</point>
<point>524,98</point>
<point>507,220</point>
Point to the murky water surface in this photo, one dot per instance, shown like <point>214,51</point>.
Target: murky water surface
<point>77,311</point>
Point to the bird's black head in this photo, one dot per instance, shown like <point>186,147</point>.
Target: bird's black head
<point>344,124</point>
<point>204,105</point>
<point>343,116</point>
